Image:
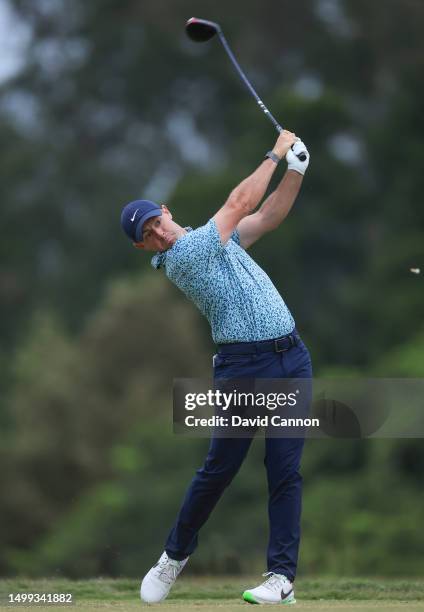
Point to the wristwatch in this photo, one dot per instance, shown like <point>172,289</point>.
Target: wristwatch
<point>273,156</point>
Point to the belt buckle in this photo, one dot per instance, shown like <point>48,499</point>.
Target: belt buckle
<point>278,350</point>
<point>283,350</point>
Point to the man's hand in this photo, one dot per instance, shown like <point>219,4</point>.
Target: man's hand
<point>293,160</point>
<point>284,142</point>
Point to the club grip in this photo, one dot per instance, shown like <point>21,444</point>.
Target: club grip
<point>302,156</point>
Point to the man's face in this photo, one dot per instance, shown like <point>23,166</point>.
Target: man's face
<point>159,233</point>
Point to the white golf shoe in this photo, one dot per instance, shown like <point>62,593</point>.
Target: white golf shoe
<point>277,589</point>
<point>160,578</point>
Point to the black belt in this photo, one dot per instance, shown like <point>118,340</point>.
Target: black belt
<point>279,345</point>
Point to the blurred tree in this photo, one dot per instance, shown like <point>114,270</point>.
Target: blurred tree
<point>108,87</point>
<point>112,103</point>
<point>75,400</point>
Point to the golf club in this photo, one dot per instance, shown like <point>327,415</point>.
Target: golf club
<point>201,30</point>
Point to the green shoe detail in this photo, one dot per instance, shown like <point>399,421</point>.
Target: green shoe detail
<point>247,596</point>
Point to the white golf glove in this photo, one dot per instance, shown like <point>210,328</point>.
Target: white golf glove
<point>293,162</point>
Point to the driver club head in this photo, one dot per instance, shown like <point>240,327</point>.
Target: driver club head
<point>201,30</point>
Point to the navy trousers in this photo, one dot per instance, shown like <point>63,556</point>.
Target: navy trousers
<point>225,456</point>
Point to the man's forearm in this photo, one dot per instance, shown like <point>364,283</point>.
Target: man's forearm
<point>250,192</point>
<point>278,204</point>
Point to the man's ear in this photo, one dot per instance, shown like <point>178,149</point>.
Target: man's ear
<point>138,245</point>
<point>166,210</point>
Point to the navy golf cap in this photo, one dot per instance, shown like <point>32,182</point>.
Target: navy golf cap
<point>135,214</point>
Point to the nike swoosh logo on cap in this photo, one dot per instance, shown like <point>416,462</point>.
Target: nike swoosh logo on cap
<point>133,217</point>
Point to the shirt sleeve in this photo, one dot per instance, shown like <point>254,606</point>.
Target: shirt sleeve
<point>215,236</point>
<point>209,233</point>
<point>236,236</point>
<point>196,250</point>
<point>204,241</point>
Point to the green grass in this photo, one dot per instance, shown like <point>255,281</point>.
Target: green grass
<point>211,593</point>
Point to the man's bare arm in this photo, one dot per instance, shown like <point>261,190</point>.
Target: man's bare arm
<point>246,196</point>
<point>278,205</point>
<point>272,212</point>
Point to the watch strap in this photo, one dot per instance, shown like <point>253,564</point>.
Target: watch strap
<point>273,156</point>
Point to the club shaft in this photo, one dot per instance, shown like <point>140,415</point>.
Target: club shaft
<point>247,82</point>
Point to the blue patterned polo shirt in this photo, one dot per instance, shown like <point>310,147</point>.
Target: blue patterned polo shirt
<point>229,288</point>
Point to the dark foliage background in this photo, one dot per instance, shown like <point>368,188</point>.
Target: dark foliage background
<point>112,102</point>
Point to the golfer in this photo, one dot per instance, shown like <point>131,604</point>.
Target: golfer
<point>256,337</point>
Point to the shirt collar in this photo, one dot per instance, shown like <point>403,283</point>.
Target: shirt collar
<point>158,260</point>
